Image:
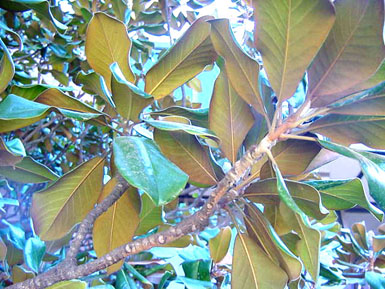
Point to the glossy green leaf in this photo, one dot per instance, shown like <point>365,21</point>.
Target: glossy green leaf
<point>58,208</point>
<point>308,247</point>
<point>7,67</point>
<point>281,29</point>
<point>242,70</point>
<point>306,197</point>
<point>378,243</point>
<point>230,117</point>
<point>198,117</point>
<point>350,129</point>
<point>124,281</point>
<point>69,285</point>
<point>17,112</point>
<point>345,194</point>
<point>187,153</point>
<point>374,173</point>
<point>13,34</point>
<point>357,31</point>
<point>129,99</point>
<point>292,156</point>
<point>195,284</point>
<point>143,166</point>
<point>32,91</point>
<point>11,152</point>
<point>107,42</point>
<point>150,215</point>
<point>94,84</point>
<point>172,126</point>
<point>188,57</point>
<point>28,171</point>
<point>375,280</point>
<point>253,269</point>
<point>219,245</point>
<point>117,225</point>
<point>34,251</point>
<point>373,105</point>
<point>260,230</point>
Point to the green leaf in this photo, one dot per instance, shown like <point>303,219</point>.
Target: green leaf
<point>306,197</point>
<point>230,117</point>
<point>292,156</point>
<point>129,99</point>
<point>378,243</point>
<point>3,250</point>
<point>195,284</point>
<point>94,84</point>
<point>375,280</point>
<point>11,152</point>
<point>7,67</point>
<point>17,112</point>
<point>281,30</point>
<point>107,42</point>
<point>34,251</point>
<point>69,285</point>
<point>58,208</point>
<point>143,166</point>
<point>28,171</point>
<point>373,172</point>
<point>32,91</point>
<point>373,105</point>
<point>261,231</point>
<point>198,117</point>
<point>242,70</point>
<point>253,269</point>
<point>357,31</point>
<point>350,129</point>
<point>172,126</point>
<point>219,245</point>
<point>187,153</point>
<point>117,225</point>
<point>345,194</point>
<point>188,57</point>
<point>124,281</point>
<point>150,215</point>
<point>308,247</point>
<point>20,274</point>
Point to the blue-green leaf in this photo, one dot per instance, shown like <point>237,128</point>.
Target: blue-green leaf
<point>33,253</point>
<point>143,166</point>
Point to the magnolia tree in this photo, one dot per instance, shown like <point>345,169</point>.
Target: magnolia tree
<point>111,149</point>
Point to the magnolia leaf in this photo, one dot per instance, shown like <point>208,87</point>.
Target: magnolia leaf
<point>34,251</point>
<point>143,166</point>
<point>107,42</point>
<point>241,70</point>
<point>260,230</point>
<point>69,285</point>
<point>306,197</point>
<point>253,269</point>
<point>308,247</point>
<point>188,57</point>
<point>351,129</point>
<point>124,281</point>
<point>219,245</point>
<point>28,171</point>
<point>117,225</point>
<point>129,99</point>
<point>229,117</point>
<point>198,117</point>
<point>292,156</point>
<point>373,105</point>
<point>375,280</point>
<point>7,67</point>
<point>58,208</point>
<point>187,153</point>
<point>284,53</point>
<point>357,31</point>
<point>94,84</point>
<point>345,194</point>
<point>378,243</point>
<point>17,112</point>
<point>32,91</point>
<point>372,168</point>
<point>11,152</point>
<point>184,126</point>
<point>3,250</point>
<point>19,274</point>
<point>150,215</point>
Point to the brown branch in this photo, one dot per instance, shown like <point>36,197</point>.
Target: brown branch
<point>68,270</point>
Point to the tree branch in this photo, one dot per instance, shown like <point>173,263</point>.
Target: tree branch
<point>68,270</point>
